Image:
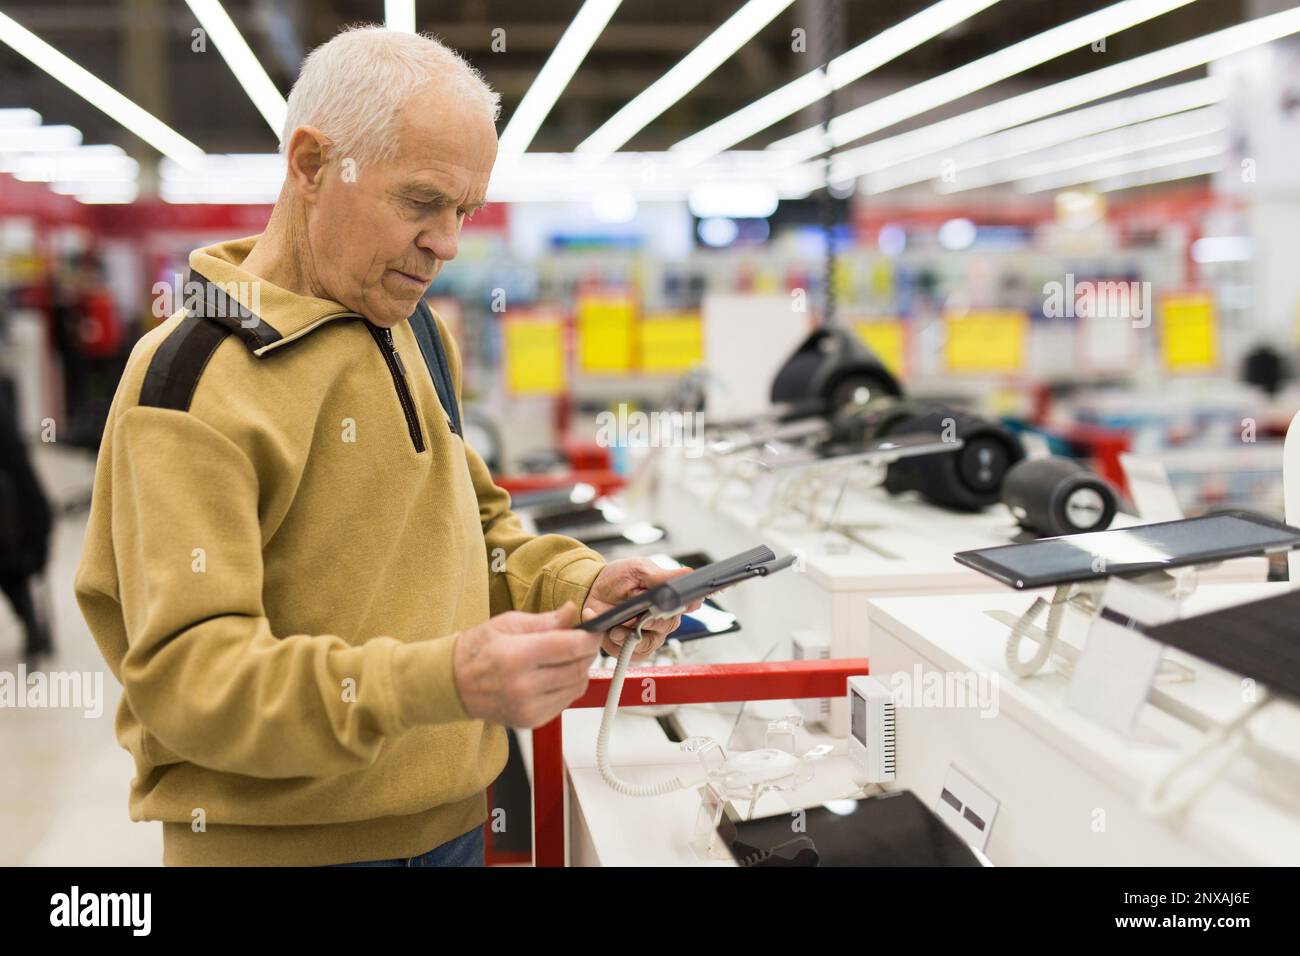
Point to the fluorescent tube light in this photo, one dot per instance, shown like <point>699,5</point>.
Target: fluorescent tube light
<point>559,68</point>
<point>976,75</point>
<point>242,61</point>
<point>1148,68</point>
<point>400,15</point>
<point>98,93</point>
<point>1120,168</point>
<point>712,52</point>
<point>854,64</point>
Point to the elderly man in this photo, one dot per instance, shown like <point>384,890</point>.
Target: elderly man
<point>320,607</point>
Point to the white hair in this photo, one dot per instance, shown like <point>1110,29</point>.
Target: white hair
<point>351,87</point>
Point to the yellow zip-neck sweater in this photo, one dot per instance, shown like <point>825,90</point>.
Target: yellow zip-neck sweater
<point>286,536</point>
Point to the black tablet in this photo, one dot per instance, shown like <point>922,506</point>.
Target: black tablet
<point>1151,547</point>
<point>666,597</point>
<point>891,829</point>
<point>1260,640</point>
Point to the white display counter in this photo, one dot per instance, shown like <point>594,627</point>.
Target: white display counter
<point>914,542</point>
<point>1067,785</point>
<point>607,829</point>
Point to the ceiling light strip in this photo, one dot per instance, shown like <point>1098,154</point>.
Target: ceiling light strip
<point>555,74</point>
<point>854,64</point>
<point>1025,107</point>
<point>919,98</point>
<point>242,61</point>
<point>98,93</point>
<point>711,53</point>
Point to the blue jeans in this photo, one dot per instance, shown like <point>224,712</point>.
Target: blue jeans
<point>464,850</point>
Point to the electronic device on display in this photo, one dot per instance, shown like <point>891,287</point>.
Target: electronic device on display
<point>1128,551</point>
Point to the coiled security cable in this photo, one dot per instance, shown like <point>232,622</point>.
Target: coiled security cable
<point>607,721</point>
<point>1056,610</point>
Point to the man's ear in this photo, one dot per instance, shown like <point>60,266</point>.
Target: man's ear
<point>306,160</point>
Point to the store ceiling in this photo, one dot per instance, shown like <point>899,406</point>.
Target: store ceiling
<point>143,47</point>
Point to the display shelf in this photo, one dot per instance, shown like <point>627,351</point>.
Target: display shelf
<point>1069,786</point>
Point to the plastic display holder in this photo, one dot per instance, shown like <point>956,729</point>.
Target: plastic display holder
<point>746,776</point>
<point>730,471</point>
<point>802,483</point>
<point>1084,597</point>
<point>697,684</point>
<point>803,490</point>
<point>704,841</point>
<point>742,458</point>
<point>1203,763</point>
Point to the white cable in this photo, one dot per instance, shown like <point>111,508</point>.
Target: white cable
<point>607,721</point>
<point>1021,629</point>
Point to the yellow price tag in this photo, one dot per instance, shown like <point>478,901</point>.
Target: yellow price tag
<point>888,339</point>
<point>672,342</point>
<point>988,342</point>
<point>23,268</point>
<point>882,280</point>
<point>534,352</point>
<point>606,333</point>
<point>844,276</point>
<point>1189,333</point>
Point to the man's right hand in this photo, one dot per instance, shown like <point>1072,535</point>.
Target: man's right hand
<point>521,669</point>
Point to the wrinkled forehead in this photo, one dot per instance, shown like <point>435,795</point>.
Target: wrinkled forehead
<point>441,133</point>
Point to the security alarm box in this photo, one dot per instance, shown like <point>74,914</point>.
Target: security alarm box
<point>872,742</point>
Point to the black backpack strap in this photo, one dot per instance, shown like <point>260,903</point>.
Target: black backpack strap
<point>435,357</point>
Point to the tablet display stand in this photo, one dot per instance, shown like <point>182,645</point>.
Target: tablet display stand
<point>1221,741</point>
<point>746,776</point>
<point>733,451</point>
<point>788,480</point>
<point>739,457</point>
<point>1084,596</point>
<point>805,491</point>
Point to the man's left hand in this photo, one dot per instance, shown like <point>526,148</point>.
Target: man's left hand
<point>621,580</point>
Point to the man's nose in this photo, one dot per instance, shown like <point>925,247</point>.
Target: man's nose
<point>441,241</point>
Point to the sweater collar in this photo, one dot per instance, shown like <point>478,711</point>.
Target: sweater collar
<point>263,315</point>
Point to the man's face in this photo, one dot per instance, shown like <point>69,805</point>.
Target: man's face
<point>377,238</point>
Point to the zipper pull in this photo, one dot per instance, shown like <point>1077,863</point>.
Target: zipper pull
<point>392,348</point>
